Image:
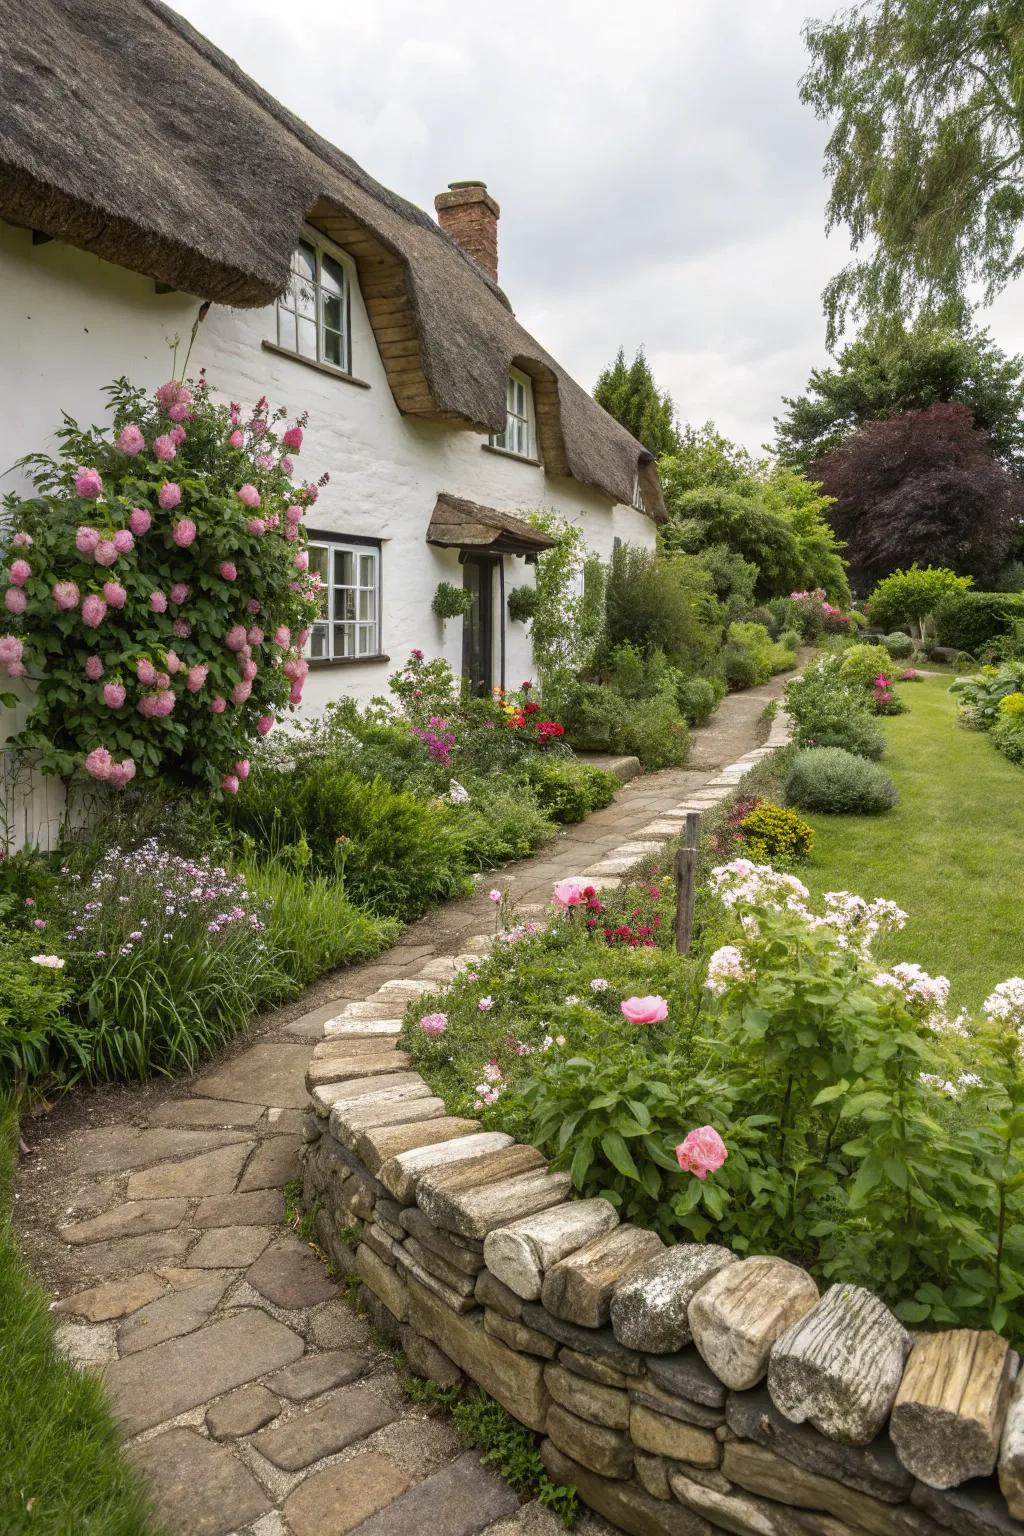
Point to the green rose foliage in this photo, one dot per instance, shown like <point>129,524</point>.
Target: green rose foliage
<point>176,622</point>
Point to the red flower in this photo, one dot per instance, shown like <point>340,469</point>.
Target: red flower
<point>531,707</point>
<point>551,728</point>
<point>515,722</point>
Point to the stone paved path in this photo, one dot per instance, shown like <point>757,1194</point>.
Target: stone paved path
<point>250,1392</point>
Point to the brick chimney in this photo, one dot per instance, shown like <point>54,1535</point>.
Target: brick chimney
<point>469,214</point>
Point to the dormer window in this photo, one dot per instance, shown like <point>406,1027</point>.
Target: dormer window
<point>520,434</point>
<point>313,317</point>
<point>638,495</point>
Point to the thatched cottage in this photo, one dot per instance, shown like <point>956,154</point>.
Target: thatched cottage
<point>144,178</point>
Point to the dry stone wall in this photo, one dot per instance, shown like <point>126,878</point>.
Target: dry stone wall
<point>683,1390</point>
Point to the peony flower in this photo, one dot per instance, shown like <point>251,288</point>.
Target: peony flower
<point>568,893</point>
<point>184,533</point>
<point>182,628</point>
<point>164,449</point>
<point>114,594</point>
<point>241,693</point>
<point>145,671</point>
<point>242,767</point>
<point>22,540</point>
<point>292,535</point>
<point>229,784</point>
<point>15,600</point>
<point>644,1010</point>
<point>97,763</point>
<point>19,573</point>
<point>86,539</point>
<point>93,668</point>
<point>301,561</point>
<point>287,465</point>
<point>249,670</point>
<point>254,635</point>
<point>236,439</point>
<point>172,393</point>
<point>228,571</point>
<point>105,552</point>
<point>295,693</point>
<point>292,439</point>
<point>249,495</point>
<point>218,705</point>
<point>293,515</point>
<point>265,724</point>
<point>51,962</point>
<point>130,441</point>
<point>11,650</point>
<point>178,412</point>
<point>120,773</point>
<point>235,637</point>
<point>88,484</point>
<point>283,636</point>
<point>173,662</point>
<point>140,521</point>
<point>177,435</point>
<point>256,526</point>
<point>180,592</point>
<point>196,677</point>
<point>701,1152</point>
<point>66,595</point>
<point>264,461</point>
<point>169,495</point>
<point>114,695</point>
<point>434,1024</point>
<point>158,602</point>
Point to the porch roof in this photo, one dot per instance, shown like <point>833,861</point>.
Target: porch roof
<point>459,524</point>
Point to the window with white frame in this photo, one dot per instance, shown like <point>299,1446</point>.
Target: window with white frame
<point>348,625</point>
<point>519,436</point>
<point>313,314</point>
<point>638,493</point>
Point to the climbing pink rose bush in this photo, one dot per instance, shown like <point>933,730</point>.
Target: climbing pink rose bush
<point>133,579</point>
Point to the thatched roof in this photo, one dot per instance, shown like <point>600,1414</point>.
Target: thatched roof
<point>125,132</point>
<point>459,524</point>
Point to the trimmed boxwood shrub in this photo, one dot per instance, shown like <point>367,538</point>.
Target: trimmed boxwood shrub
<point>967,621</point>
<point>899,645</point>
<point>697,698</point>
<point>569,790</point>
<point>739,666</point>
<point>829,779</point>
<point>856,732</point>
<point>861,664</point>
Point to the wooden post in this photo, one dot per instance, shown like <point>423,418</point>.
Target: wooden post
<point>686,882</point>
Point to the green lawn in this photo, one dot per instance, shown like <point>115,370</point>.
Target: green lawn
<point>949,853</point>
<point>61,1473</point>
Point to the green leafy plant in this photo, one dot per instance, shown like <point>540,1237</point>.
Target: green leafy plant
<point>451,602</point>
<point>912,596</point>
<point>899,645</point>
<point>774,835</point>
<point>861,664</point>
<point>832,780</point>
<point>697,698</point>
<point>522,604</point>
<point>968,621</point>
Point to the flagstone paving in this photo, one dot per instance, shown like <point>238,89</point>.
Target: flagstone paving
<point>252,1396</point>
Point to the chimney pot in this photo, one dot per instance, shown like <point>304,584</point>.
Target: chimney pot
<point>469,214</point>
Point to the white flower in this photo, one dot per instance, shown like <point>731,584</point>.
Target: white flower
<point>940,1083</point>
<point>51,962</point>
<point>492,1072</point>
<point>458,794</point>
<point>725,966</point>
<point>572,1000</point>
<point>1006,1003</point>
<point>599,984</point>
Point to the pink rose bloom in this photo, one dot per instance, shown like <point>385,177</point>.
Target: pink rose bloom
<point>297,668</point>
<point>264,461</point>
<point>283,635</point>
<point>171,394</point>
<point>303,637</point>
<point>302,560</point>
<point>236,440</point>
<point>182,628</point>
<point>295,693</point>
<point>178,412</point>
<point>287,465</point>
<point>97,763</point>
<point>120,773</point>
<point>293,514</point>
<point>229,784</point>
<point>88,484</point>
<point>114,695</point>
<point>22,540</point>
<point>252,606</point>
<point>568,893</point>
<point>241,693</point>
<point>228,571</point>
<point>162,680</point>
<point>292,439</point>
<point>93,668</point>
<point>265,724</point>
<point>273,522</point>
<point>249,670</point>
<point>17,669</point>
<point>249,495</point>
<point>184,533</point>
<point>158,602</point>
<point>66,595</point>
<point>173,663</point>
<point>234,413</point>
<point>130,441</point>
<point>124,541</point>
<point>311,491</point>
<point>235,638</point>
<point>242,767</point>
<point>15,600</point>
<point>177,435</point>
<point>11,650</point>
<point>19,573</point>
<point>145,671</point>
<point>146,706</point>
<point>434,1024</point>
<point>165,702</point>
<point>218,705</point>
<point>645,1010</point>
<point>256,526</point>
<point>197,676</point>
<point>114,594</point>
<point>169,496</point>
<point>180,592</point>
<point>140,521</point>
<point>86,540</point>
<point>105,552</point>
<point>254,635</point>
<point>163,448</point>
<point>701,1151</point>
<point>291,534</point>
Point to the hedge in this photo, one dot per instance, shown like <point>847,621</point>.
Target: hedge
<point>967,621</point>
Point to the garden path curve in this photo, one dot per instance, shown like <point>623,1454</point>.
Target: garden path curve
<point>250,1392</point>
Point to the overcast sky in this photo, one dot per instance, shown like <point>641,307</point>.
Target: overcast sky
<point>659,181</point>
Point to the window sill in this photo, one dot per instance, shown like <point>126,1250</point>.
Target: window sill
<point>506,453</point>
<point>325,663</point>
<point>312,362</point>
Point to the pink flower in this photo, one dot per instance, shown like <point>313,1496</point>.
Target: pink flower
<point>494,896</point>
<point>114,594</point>
<point>701,1151</point>
<point>254,635</point>
<point>434,1024</point>
<point>293,514</point>
<point>485,1004</point>
<point>162,680</point>
<point>283,636</point>
<point>97,763</point>
<point>158,602</point>
<point>218,705</point>
<point>86,539</point>
<point>163,448</point>
<point>292,439</point>
<point>114,695</point>
<point>568,893</point>
<point>242,767</point>
<point>416,654</point>
<point>234,413</point>
<point>140,521</point>
<point>173,662</point>
<point>93,668</point>
<point>228,571</point>
<point>256,526</point>
<point>124,541</point>
<point>182,628</point>
<point>145,671</point>
<point>241,693</point>
<point>66,595</point>
<point>169,496</point>
<point>22,541</point>
<point>165,701</point>
<point>295,693</point>
<point>252,606</point>
<point>235,637</point>
<point>287,465</point>
<point>105,552</point>
<point>179,412</point>
<point>301,561</point>
<point>229,784</point>
<point>184,533</point>
<point>197,676</point>
<point>236,440</point>
<point>249,495</point>
<point>11,651</point>
<point>19,573</point>
<point>177,435</point>
<point>39,922</point>
<point>265,724</point>
<point>249,669</point>
<point>88,484</point>
<point>264,461</point>
<point>180,592</point>
<point>272,522</point>
<point>130,441</point>
<point>120,773</point>
<point>172,393</point>
<point>291,534</point>
<point>645,1010</point>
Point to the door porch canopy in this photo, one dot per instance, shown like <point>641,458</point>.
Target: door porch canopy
<point>456,523</point>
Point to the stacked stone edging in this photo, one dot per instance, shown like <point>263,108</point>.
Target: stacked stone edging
<point>681,1389</point>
